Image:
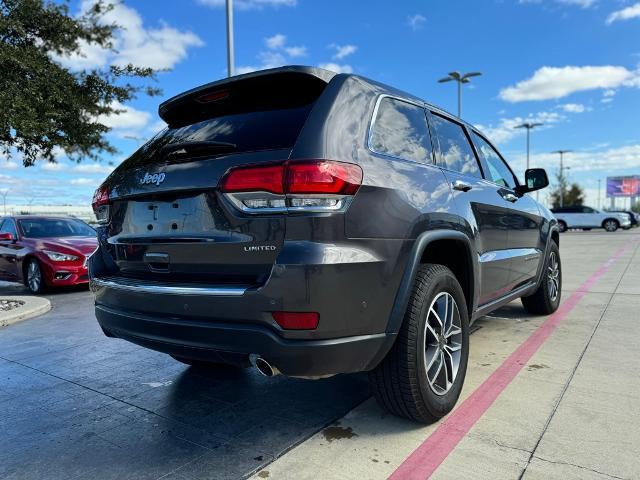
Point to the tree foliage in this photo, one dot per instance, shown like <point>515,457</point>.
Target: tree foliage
<point>572,195</point>
<point>45,106</point>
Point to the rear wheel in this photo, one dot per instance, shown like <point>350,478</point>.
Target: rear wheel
<point>33,279</point>
<point>546,299</point>
<point>562,226</point>
<point>422,375</point>
<point>610,225</point>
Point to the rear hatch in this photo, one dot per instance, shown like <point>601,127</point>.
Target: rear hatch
<point>167,221</point>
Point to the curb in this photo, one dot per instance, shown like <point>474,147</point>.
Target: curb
<point>33,306</point>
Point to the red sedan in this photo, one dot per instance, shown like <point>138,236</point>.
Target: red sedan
<point>45,251</point>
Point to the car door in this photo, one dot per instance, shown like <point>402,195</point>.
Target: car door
<point>8,251</point>
<point>524,237</point>
<point>477,201</point>
<point>590,217</point>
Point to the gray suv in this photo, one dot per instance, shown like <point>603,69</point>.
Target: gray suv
<point>310,224</point>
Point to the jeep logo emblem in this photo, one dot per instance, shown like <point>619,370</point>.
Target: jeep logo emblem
<point>156,178</point>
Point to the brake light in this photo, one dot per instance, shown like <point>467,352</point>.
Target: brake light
<point>100,204</point>
<point>251,179</point>
<point>308,185</point>
<point>297,320</point>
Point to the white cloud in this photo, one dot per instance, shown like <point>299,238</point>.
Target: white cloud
<point>618,158</point>
<point>96,168</point>
<point>250,4</point>
<point>85,181</point>
<point>416,21</point>
<point>158,48</point>
<point>8,165</point>
<point>334,67</point>
<point>275,42</point>
<point>343,50</point>
<point>506,129</point>
<point>632,11</point>
<point>557,82</point>
<point>276,55</point>
<point>128,118</point>
<point>295,52</point>
<point>573,107</point>
<point>53,166</point>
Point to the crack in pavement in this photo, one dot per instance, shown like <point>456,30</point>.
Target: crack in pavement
<point>557,462</point>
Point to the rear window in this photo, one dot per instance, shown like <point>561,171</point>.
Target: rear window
<point>248,115</point>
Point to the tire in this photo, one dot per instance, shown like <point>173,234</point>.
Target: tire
<point>546,299</point>
<point>610,225</point>
<point>586,229</point>
<point>562,226</point>
<point>33,278</point>
<point>402,383</point>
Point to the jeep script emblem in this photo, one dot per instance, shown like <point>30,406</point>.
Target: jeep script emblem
<point>156,178</point>
<point>260,248</point>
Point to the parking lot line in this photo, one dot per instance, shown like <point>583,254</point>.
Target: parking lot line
<point>424,460</point>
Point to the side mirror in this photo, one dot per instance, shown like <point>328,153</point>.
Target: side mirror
<point>6,237</point>
<point>534,179</point>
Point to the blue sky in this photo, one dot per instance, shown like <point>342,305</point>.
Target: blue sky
<point>572,64</point>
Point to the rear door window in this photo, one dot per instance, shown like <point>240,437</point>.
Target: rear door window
<point>400,130</point>
<point>455,150</point>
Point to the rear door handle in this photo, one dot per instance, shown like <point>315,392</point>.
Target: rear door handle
<point>461,186</point>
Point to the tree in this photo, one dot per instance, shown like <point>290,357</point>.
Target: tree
<point>571,195</point>
<point>45,106</point>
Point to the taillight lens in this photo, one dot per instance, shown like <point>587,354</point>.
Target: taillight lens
<point>308,185</point>
<point>251,179</point>
<point>297,320</point>
<point>100,204</point>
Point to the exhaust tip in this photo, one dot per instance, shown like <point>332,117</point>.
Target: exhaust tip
<point>265,368</point>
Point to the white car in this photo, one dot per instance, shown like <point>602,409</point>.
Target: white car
<point>587,218</point>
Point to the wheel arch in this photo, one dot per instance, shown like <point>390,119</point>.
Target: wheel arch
<point>450,248</point>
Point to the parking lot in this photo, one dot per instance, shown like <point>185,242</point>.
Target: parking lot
<point>75,404</point>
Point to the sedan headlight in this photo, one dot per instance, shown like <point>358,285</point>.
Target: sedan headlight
<point>60,257</point>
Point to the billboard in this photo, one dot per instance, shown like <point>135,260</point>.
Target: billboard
<point>623,186</point>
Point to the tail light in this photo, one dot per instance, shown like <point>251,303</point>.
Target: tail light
<point>297,320</point>
<point>309,185</point>
<point>100,204</point>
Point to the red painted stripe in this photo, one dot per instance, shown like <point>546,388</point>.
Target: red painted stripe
<point>432,452</point>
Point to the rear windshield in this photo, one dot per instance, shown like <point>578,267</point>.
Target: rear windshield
<point>265,113</point>
<point>55,227</point>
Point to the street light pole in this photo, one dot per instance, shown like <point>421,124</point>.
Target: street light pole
<point>562,168</point>
<point>529,127</point>
<point>230,62</point>
<point>459,78</point>
<point>599,180</point>
<point>4,194</point>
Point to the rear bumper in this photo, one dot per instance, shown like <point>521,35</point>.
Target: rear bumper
<point>207,340</point>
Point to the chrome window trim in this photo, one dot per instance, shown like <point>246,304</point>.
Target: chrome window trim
<point>372,124</point>
<point>169,289</point>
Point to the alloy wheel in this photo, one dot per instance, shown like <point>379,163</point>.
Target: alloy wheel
<point>553,276</point>
<point>443,343</point>
<point>610,226</point>
<point>34,276</point>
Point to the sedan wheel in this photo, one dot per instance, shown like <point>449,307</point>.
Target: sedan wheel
<point>34,277</point>
<point>610,225</point>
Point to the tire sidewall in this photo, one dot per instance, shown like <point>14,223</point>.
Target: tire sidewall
<point>439,405</point>
<point>41,285</point>
<point>562,226</point>
<point>545,281</point>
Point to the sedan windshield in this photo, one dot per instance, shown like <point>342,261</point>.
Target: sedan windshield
<point>55,227</point>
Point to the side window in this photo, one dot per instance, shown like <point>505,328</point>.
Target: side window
<point>400,129</point>
<point>498,172</point>
<point>455,150</point>
<point>587,210</point>
<point>9,227</point>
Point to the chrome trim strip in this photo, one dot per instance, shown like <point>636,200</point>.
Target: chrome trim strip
<point>171,290</point>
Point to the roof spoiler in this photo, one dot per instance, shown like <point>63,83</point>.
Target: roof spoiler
<point>177,108</point>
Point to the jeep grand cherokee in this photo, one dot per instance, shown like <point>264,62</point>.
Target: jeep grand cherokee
<point>313,223</point>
